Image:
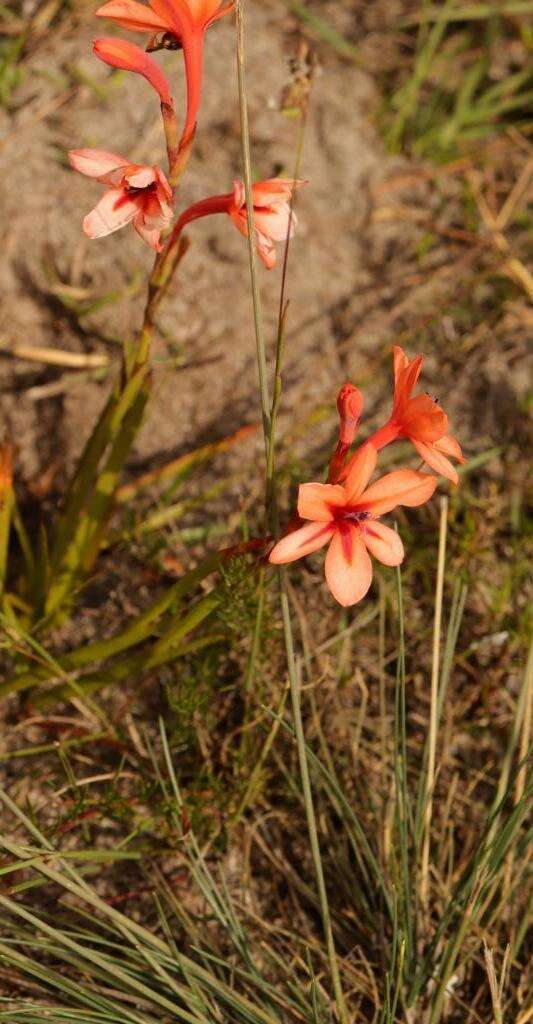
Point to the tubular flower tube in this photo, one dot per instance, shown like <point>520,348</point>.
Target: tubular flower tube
<point>182,23</point>
<point>346,517</point>
<point>137,194</point>
<point>272,213</point>
<point>420,419</point>
<point>350,407</point>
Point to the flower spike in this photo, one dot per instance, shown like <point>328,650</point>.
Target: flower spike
<point>346,517</point>
<point>137,194</point>
<point>420,419</point>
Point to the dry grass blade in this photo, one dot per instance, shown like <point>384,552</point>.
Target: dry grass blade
<point>54,356</point>
<point>179,468</point>
<point>434,703</point>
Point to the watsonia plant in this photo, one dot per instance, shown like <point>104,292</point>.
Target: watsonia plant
<point>91,961</point>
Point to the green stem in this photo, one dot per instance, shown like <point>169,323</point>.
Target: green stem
<point>295,686</point>
<point>247,170</point>
<point>269,419</point>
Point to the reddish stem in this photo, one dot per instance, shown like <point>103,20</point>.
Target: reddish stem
<point>385,434</point>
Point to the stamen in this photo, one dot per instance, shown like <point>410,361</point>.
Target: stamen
<point>356,517</point>
<point>434,398</point>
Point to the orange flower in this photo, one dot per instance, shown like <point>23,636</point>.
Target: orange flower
<point>347,518</point>
<point>136,194</point>
<point>272,213</point>
<point>183,24</point>
<point>420,419</point>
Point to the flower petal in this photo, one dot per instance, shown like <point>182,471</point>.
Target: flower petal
<point>220,13</point>
<point>422,418</point>
<point>95,162</point>
<point>206,11</point>
<point>406,381</point>
<point>113,211</point>
<point>162,180</point>
<point>132,15</point>
<point>383,543</point>
<point>149,234</point>
<point>265,250</point>
<point>348,566</point>
<point>177,14</point>
<point>140,177</point>
<point>316,501</point>
<point>449,445</point>
<point>402,487</point>
<point>274,190</point>
<point>400,361</point>
<point>274,222</point>
<point>436,459</point>
<point>359,470</point>
<point>301,542</point>
<point>238,217</point>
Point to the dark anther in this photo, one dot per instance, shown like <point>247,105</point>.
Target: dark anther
<point>356,517</point>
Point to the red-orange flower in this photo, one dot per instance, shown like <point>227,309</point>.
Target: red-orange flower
<point>420,419</point>
<point>347,518</point>
<point>183,23</point>
<point>272,213</point>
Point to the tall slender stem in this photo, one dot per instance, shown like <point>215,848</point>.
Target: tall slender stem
<point>247,172</point>
<point>268,413</point>
<point>434,706</point>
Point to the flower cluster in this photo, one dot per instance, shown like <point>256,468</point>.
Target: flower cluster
<point>145,195</point>
<point>345,512</point>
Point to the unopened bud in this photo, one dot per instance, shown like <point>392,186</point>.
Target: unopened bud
<point>350,406</point>
<point>120,53</point>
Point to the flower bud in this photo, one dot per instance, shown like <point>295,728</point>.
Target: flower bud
<point>119,53</point>
<point>350,406</point>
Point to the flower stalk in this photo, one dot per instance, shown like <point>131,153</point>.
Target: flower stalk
<point>294,679</point>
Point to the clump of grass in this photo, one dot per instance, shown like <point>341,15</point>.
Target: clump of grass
<point>469,79</point>
<point>421,931</point>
